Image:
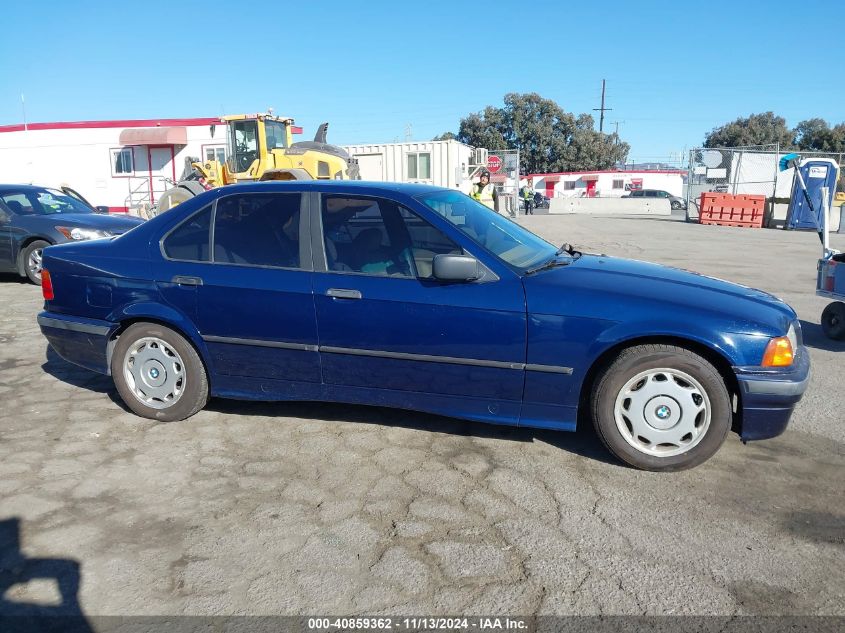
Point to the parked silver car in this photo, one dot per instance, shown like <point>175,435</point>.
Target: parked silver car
<point>675,202</point>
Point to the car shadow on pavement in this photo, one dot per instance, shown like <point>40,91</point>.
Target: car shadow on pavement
<point>74,375</point>
<point>17,570</point>
<point>582,442</point>
<point>13,278</point>
<point>814,337</point>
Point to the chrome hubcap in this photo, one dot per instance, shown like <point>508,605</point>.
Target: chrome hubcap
<point>154,372</point>
<point>662,412</point>
<point>34,262</point>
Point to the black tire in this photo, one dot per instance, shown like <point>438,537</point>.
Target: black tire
<point>833,321</point>
<point>34,275</point>
<point>194,395</point>
<point>630,363</point>
<point>675,205</point>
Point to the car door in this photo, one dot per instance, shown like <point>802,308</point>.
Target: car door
<point>390,333</point>
<point>7,261</point>
<point>253,300</point>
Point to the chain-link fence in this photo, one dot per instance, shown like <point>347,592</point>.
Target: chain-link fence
<point>746,170</point>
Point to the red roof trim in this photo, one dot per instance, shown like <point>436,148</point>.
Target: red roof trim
<point>610,171</point>
<point>124,123</point>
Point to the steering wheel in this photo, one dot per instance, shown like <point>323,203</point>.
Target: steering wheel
<point>245,159</point>
<point>405,263</point>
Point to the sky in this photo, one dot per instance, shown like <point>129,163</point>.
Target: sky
<point>387,71</point>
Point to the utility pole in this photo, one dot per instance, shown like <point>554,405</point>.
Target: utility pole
<point>602,109</point>
<point>408,130</point>
<point>616,124</point>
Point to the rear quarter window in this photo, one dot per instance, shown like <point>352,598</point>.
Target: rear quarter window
<point>189,240</point>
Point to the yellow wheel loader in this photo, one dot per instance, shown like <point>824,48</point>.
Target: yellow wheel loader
<point>261,147</point>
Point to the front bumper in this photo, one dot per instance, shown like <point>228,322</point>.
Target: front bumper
<point>81,341</point>
<point>769,396</point>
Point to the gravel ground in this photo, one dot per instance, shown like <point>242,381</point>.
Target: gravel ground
<point>254,508</point>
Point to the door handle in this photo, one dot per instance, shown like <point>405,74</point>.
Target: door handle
<point>343,293</point>
<point>184,280</point>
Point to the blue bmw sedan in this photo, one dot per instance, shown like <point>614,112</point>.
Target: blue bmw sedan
<point>420,298</point>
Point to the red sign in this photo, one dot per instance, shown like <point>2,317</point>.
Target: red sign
<point>494,164</point>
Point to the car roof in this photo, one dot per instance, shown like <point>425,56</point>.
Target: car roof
<point>345,186</point>
<point>7,188</point>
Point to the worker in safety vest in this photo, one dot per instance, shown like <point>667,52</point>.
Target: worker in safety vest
<point>483,191</point>
<point>528,198</point>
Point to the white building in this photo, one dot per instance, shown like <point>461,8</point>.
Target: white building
<point>118,164</point>
<point>124,163</point>
<point>607,184</point>
<point>440,163</point>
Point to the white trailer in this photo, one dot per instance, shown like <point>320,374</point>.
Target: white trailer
<point>440,163</point>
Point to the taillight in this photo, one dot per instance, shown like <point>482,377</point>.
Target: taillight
<point>46,285</point>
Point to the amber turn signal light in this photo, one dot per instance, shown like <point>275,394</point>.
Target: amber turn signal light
<point>779,353</point>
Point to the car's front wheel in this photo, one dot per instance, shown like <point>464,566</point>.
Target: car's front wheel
<point>32,260</point>
<point>158,374</point>
<point>675,205</point>
<point>661,407</point>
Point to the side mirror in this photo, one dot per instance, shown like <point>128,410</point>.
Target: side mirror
<point>456,268</point>
<point>102,209</point>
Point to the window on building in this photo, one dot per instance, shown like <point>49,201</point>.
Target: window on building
<point>257,230</point>
<point>189,241</point>
<point>121,162</point>
<point>419,165</point>
<point>216,152</point>
<point>619,184</point>
<point>569,185</point>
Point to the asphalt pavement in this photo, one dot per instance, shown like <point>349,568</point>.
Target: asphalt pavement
<point>303,508</point>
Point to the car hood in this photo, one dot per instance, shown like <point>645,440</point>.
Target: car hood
<point>113,224</point>
<point>659,289</point>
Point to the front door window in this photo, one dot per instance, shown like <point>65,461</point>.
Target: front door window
<point>379,237</point>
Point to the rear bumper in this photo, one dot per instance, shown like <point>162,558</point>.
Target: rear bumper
<point>84,342</point>
<point>769,397</point>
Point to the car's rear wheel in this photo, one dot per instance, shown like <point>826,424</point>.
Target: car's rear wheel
<point>661,407</point>
<point>833,321</point>
<point>32,260</point>
<point>158,373</point>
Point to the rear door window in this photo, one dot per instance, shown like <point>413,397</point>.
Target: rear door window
<point>258,229</point>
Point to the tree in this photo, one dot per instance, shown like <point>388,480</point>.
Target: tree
<point>549,138</point>
<point>757,129</point>
<point>817,136</point>
<point>446,136</point>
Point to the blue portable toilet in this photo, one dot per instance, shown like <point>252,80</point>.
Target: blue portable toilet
<point>817,173</point>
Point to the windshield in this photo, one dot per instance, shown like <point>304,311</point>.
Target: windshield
<point>43,202</point>
<point>504,238</point>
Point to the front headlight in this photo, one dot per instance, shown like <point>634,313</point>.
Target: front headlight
<point>793,338</point>
<point>77,234</point>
